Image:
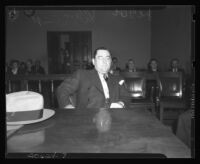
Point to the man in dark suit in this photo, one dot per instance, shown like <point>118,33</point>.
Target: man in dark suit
<point>94,88</point>
<point>37,68</point>
<point>115,69</point>
<point>175,66</point>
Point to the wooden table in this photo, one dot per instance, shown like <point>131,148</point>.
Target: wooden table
<point>73,131</point>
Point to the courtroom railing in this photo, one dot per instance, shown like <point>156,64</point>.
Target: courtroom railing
<point>25,80</point>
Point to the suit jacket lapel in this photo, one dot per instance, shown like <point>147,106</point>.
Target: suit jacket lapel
<point>111,84</point>
<point>96,81</point>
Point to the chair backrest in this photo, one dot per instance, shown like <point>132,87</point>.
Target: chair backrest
<point>171,84</point>
<point>135,83</point>
<point>152,82</point>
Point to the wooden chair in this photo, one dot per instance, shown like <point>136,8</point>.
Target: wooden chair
<point>135,83</point>
<point>152,86</point>
<point>171,91</point>
<point>152,89</point>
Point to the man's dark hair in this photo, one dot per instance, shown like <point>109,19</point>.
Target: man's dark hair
<point>130,60</point>
<point>114,58</point>
<point>149,63</point>
<point>14,61</point>
<point>100,48</point>
<point>174,59</point>
<point>153,59</point>
<point>30,60</point>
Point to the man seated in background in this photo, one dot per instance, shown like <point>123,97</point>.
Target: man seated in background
<point>37,68</point>
<point>175,66</point>
<point>14,69</point>
<point>22,68</point>
<point>29,66</point>
<point>94,88</point>
<point>115,69</point>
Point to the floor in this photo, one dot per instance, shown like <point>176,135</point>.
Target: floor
<point>172,123</point>
<point>171,118</point>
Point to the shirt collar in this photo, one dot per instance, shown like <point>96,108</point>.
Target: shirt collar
<point>102,75</point>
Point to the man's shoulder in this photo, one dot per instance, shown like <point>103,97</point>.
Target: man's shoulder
<point>85,73</point>
<point>116,78</point>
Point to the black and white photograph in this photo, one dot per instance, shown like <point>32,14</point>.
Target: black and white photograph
<point>99,81</point>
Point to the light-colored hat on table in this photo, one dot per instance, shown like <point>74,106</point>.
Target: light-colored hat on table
<point>26,107</point>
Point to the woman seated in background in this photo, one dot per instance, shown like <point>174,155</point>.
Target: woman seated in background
<point>14,67</point>
<point>153,65</point>
<point>130,66</point>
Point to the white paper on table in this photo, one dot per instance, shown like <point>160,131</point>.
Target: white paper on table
<point>69,106</point>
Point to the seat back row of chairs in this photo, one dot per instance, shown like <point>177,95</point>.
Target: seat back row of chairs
<point>162,89</point>
<point>170,84</point>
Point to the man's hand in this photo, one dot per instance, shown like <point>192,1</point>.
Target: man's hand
<point>69,106</point>
<point>118,104</point>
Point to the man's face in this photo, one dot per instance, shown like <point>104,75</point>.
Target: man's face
<point>131,65</point>
<point>29,64</point>
<point>15,65</point>
<point>174,64</point>
<point>102,61</point>
<point>154,64</point>
<point>115,62</point>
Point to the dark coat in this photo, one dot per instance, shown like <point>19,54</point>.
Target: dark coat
<point>39,70</point>
<point>89,90</point>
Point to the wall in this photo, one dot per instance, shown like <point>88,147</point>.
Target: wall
<point>171,36</point>
<point>126,36</point>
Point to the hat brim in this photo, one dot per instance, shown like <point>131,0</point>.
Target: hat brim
<point>47,113</point>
